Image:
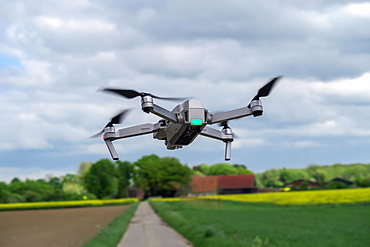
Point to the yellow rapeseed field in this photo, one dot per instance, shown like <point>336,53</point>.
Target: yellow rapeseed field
<point>27,205</point>
<point>295,197</point>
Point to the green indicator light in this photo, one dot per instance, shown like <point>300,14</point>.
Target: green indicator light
<point>196,121</point>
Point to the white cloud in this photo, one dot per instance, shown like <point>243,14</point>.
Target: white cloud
<point>359,9</point>
<point>222,56</point>
<point>305,144</point>
<point>251,142</point>
<point>35,74</point>
<point>75,25</point>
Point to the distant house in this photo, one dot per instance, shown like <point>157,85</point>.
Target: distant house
<point>298,183</point>
<point>232,184</point>
<point>342,180</point>
<point>236,184</point>
<point>204,185</point>
<point>133,191</point>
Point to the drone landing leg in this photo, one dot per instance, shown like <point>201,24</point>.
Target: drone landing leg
<point>228,150</point>
<point>111,149</point>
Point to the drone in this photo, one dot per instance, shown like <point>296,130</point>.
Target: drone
<point>180,127</point>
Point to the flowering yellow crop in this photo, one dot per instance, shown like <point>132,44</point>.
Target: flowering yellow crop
<point>293,198</point>
<point>169,199</point>
<point>303,197</point>
<point>26,205</point>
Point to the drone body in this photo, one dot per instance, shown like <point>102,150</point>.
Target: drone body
<point>179,127</point>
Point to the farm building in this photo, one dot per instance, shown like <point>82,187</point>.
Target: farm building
<point>302,182</point>
<point>135,192</point>
<point>232,184</point>
<point>342,180</point>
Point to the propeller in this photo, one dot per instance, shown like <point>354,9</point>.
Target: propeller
<point>130,94</point>
<point>265,90</point>
<point>115,120</point>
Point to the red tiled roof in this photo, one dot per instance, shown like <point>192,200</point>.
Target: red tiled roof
<point>300,181</point>
<point>204,184</point>
<point>236,181</point>
<point>212,183</point>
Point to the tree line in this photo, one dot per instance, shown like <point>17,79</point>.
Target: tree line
<point>359,174</point>
<point>103,179</point>
<point>157,176</point>
<point>106,179</point>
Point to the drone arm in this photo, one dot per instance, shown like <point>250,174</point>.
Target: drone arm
<point>224,135</point>
<point>229,115</point>
<point>138,130</point>
<point>126,133</point>
<point>111,149</point>
<point>163,113</point>
<point>216,134</point>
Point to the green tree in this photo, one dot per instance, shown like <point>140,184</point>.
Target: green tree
<point>157,176</point>
<point>71,178</point>
<point>363,181</point>
<point>335,185</point>
<point>125,173</point>
<point>203,168</point>
<point>15,180</point>
<point>304,185</point>
<point>317,173</point>
<point>287,175</point>
<point>271,178</point>
<point>320,176</point>
<point>242,169</point>
<point>84,167</point>
<point>222,169</point>
<point>197,173</point>
<point>240,166</point>
<point>3,192</point>
<point>273,183</point>
<point>32,191</point>
<point>56,182</point>
<point>101,179</point>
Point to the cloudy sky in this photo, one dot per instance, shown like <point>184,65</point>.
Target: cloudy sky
<point>54,55</point>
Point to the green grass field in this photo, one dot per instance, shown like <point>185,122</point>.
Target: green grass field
<point>246,224</point>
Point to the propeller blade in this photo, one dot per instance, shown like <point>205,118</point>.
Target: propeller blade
<point>119,117</point>
<point>265,90</point>
<point>168,98</point>
<point>97,134</point>
<point>115,120</point>
<point>130,94</point>
<point>127,93</point>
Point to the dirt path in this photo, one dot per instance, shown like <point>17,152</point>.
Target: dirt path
<point>55,227</point>
<point>146,229</point>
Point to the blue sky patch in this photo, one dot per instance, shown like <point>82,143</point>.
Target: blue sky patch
<point>9,62</point>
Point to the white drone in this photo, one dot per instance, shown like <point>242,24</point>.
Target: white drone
<point>179,127</point>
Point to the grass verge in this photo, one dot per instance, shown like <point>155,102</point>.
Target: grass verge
<point>110,236</point>
<point>248,224</point>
